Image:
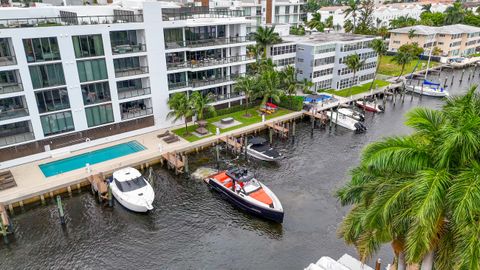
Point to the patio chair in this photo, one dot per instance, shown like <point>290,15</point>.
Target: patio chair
<point>166,133</point>
<point>171,138</point>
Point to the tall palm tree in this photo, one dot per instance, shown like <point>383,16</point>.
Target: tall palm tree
<point>383,32</point>
<point>411,34</point>
<point>266,36</point>
<point>352,9</point>
<point>329,22</point>
<point>289,80</point>
<point>201,104</point>
<point>269,83</point>
<point>348,26</point>
<point>248,86</point>
<point>180,105</point>
<point>316,22</point>
<point>455,14</point>
<point>402,58</point>
<point>420,192</point>
<point>380,48</point>
<point>306,85</point>
<point>354,63</point>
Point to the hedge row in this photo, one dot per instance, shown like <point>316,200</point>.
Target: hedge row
<point>294,103</point>
<point>232,109</point>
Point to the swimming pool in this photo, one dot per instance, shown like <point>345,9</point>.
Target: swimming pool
<point>317,98</point>
<point>94,157</point>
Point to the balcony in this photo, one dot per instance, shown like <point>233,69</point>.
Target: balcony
<point>6,88</point>
<point>207,62</point>
<point>124,93</point>
<point>184,13</point>
<point>227,96</point>
<point>128,48</point>
<point>196,83</point>
<point>69,20</point>
<point>8,60</point>
<point>13,107</point>
<point>131,71</point>
<point>207,42</point>
<point>136,108</point>
<point>16,133</point>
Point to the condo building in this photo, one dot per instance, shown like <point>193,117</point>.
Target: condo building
<point>78,73</point>
<point>320,58</point>
<point>451,40</point>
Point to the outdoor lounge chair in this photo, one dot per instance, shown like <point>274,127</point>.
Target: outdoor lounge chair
<point>171,139</point>
<point>166,133</point>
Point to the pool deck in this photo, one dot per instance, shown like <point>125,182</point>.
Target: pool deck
<point>31,182</point>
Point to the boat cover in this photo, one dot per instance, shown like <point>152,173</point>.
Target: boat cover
<point>430,83</point>
<point>257,140</point>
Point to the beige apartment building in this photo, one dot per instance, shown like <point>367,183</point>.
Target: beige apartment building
<point>452,40</point>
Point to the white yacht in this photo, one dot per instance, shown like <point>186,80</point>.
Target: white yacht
<point>132,190</point>
<point>346,122</point>
<point>428,89</point>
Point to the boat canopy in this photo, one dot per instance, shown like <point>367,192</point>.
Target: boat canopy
<point>240,174</point>
<point>426,82</point>
<point>257,140</point>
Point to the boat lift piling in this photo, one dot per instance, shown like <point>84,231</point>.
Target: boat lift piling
<point>6,226</point>
<point>61,213</point>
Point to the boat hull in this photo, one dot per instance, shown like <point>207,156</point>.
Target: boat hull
<point>368,107</point>
<point>427,92</point>
<point>260,156</point>
<point>270,214</point>
<point>131,206</point>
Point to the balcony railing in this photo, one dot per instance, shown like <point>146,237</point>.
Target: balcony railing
<point>6,88</point>
<point>203,82</point>
<point>227,96</point>
<point>124,93</point>
<point>8,60</point>
<point>175,14</point>
<point>12,113</point>
<point>207,42</point>
<point>131,71</point>
<point>207,62</point>
<point>136,112</point>
<point>128,48</point>
<point>73,20</point>
<point>17,138</point>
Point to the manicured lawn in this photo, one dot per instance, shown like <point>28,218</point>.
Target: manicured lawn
<point>239,116</point>
<point>388,67</point>
<point>358,89</point>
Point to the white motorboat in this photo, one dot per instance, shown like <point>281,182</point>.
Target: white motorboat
<point>244,191</point>
<point>352,114</point>
<point>428,89</point>
<point>132,190</point>
<point>369,106</point>
<point>346,122</point>
<point>259,148</point>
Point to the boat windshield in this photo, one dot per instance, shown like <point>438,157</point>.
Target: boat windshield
<point>251,186</point>
<point>131,185</point>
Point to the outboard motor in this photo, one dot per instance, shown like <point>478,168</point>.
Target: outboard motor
<point>360,127</point>
<point>381,108</point>
<point>361,116</point>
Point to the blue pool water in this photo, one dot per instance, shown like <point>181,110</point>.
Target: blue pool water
<point>317,98</point>
<point>94,157</point>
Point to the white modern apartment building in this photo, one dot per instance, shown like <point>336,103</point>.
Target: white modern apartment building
<point>382,14</point>
<point>77,73</point>
<point>266,12</point>
<point>320,57</point>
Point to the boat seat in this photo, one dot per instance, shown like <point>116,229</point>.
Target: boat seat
<point>261,196</point>
<point>221,177</point>
<point>229,184</point>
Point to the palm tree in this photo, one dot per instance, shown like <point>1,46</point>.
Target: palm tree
<point>201,104</point>
<point>329,22</point>
<point>402,58</point>
<point>289,80</point>
<point>455,14</point>
<point>180,105</point>
<point>383,32</point>
<point>411,33</point>
<point>248,86</point>
<point>266,36</point>
<point>379,46</point>
<point>352,9</point>
<point>254,51</point>
<point>306,85</point>
<point>420,192</point>
<point>270,86</point>
<point>354,63</point>
<point>316,22</point>
<point>348,26</point>
<point>427,8</point>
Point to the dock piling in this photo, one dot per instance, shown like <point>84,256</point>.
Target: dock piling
<point>60,210</point>
<point>185,164</point>
<point>217,152</point>
<point>3,232</point>
<point>110,197</point>
<point>245,148</point>
<point>270,135</point>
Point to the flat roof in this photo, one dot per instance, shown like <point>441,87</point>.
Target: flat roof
<point>430,30</point>
<point>318,38</point>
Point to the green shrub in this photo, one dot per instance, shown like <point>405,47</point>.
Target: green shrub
<point>294,103</point>
<point>232,109</point>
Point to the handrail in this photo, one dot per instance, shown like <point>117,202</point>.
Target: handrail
<point>207,42</point>
<point>131,71</point>
<point>203,82</point>
<point>124,93</point>
<point>208,62</point>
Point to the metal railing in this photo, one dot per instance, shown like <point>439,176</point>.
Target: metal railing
<point>136,112</point>
<point>128,48</point>
<point>207,62</point>
<point>13,113</point>
<point>17,138</point>
<point>227,96</point>
<point>207,42</point>
<point>175,14</point>
<point>203,82</point>
<point>8,60</point>
<point>124,93</point>
<point>131,71</point>
<point>65,21</point>
<point>10,88</point>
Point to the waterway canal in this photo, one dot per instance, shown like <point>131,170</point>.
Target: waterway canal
<point>193,228</point>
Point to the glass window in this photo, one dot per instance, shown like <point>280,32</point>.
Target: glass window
<point>99,115</point>
<point>57,123</point>
<point>47,75</point>
<point>92,70</point>
<point>95,93</point>
<point>88,46</point>
<point>130,37</point>
<point>126,63</point>
<point>131,185</point>
<point>41,49</point>
<point>52,100</point>
<point>5,48</point>
<point>129,85</point>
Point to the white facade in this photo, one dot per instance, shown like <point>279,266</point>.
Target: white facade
<point>93,69</point>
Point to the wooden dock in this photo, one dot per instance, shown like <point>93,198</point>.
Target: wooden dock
<point>232,143</point>
<point>99,186</point>
<point>174,161</point>
<point>278,128</point>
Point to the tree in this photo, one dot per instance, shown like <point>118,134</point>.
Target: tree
<point>352,9</point>
<point>201,104</point>
<point>383,32</point>
<point>289,80</point>
<point>365,24</point>
<point>380,48</point>
<point>402,58</point>
<point>432,19</point>
<point>354,63</point>
<point>316,22</point>
<point>412,48</point>
<point>436,51</point>
<point>266,36</point>
<point>411,34</point>
<point>420,192</point>
<point>270,86</point>
<point>181,107</point>
<point>329,22</point>
<point>454,14</point>
<point>306,85</point>
<point>248,86</point>
<point>348,26</point>
<point>427,8</point>
<point>311,6</point>
<point>402,21</point>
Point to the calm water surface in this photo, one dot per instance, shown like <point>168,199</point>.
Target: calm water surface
<point>193,228</point>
